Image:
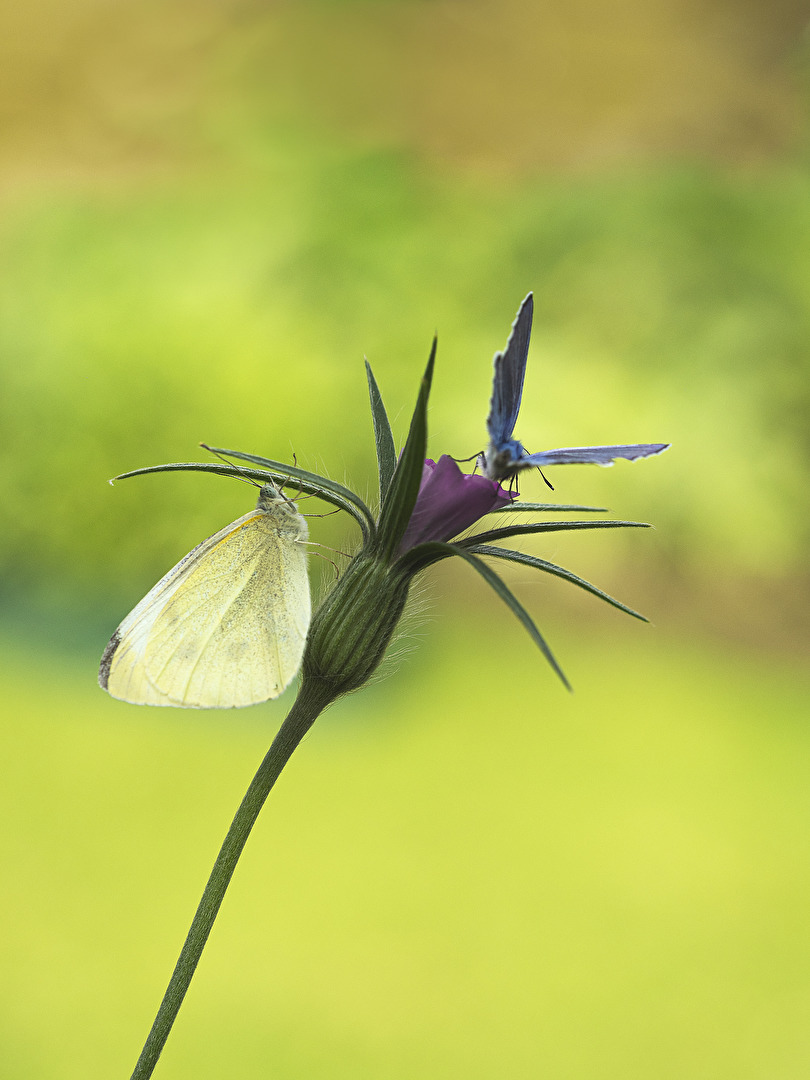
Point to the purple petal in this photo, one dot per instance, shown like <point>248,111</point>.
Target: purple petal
<point>450,501</point>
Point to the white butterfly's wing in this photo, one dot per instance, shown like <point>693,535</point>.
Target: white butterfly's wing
<point>232,633</point>
<point>226,627</point>
<point>121,671</point>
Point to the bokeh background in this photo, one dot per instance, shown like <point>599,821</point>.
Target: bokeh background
<point>209,213</point>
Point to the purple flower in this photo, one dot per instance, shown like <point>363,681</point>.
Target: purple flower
<point>450,501</point>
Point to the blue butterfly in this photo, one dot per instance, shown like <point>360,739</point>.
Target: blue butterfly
<point>506,456</point>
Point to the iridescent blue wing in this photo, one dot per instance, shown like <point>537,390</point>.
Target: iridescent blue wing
<point>507,383</point>
<point>591,455</point>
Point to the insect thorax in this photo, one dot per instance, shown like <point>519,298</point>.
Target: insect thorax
<point>283,511</point>
<point>503,461</point>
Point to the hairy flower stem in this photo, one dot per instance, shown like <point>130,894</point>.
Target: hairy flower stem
<point>312,699</point>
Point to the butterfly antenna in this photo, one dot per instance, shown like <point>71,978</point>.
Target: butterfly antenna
<point>547,481</point>
<point>290,502</point>
<point>300,495</point>
<point>216,453</point>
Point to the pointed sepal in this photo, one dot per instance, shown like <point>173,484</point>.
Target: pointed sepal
<point>383,436</point>
<point>400,498</point>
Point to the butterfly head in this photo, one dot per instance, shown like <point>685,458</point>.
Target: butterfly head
<point>269,495</point>
<point>501,460</point>
<point>285,513</point>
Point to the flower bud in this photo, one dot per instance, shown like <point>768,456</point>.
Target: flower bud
<point>353,626</point>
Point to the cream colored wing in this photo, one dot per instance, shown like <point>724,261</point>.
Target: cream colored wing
<point>121,671</point>
<point>226,627</point>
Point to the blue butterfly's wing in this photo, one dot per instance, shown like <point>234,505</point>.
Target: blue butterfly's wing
<point>591,455</point>
<point>507,384</point>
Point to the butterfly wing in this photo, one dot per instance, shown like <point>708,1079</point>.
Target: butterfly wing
<point>507,383</point>
<point>121,671</point>
<point>233,632</point>
<point>226,627</point>
<point>591,455</point>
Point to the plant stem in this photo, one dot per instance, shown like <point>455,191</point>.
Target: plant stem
<point>312,698</point>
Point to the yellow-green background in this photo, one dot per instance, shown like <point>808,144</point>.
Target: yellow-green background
<point>209,212</point>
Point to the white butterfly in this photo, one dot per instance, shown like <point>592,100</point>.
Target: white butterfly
<point>226,626</point>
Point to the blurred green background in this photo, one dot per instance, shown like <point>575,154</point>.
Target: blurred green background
<point>210,213</point>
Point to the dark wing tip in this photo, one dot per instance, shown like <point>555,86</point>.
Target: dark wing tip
<point>107,659</point>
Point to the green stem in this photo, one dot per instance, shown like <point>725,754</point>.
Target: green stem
<point>312,698</point>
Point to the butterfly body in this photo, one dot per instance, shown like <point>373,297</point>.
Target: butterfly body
<point>502,460</point>
<point>505,456</point>
<point>226,626</point>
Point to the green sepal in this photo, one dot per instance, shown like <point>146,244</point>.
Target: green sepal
<point>400,498</point>
<point>383,437</point>
<point>322,483</point>
<point>558,571</point>
<point>547,526</point>
<point>425,554</point>
<point>545,508</point>
<point>280,479</point>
